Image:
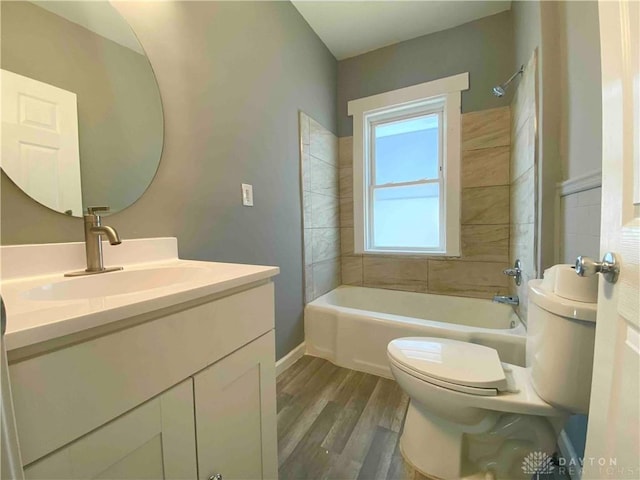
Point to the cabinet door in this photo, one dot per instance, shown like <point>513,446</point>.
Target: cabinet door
<point>236,414</point>
<point>153,441</point>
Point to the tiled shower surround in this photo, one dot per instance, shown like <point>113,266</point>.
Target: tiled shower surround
<point>320,201</point>
<point>486,138</point>
<point>522,244</point>
<point>498,210</point>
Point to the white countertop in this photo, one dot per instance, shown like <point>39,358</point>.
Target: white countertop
<point>28,267</point>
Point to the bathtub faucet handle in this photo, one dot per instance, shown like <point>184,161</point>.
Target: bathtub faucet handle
<point>515,272</point>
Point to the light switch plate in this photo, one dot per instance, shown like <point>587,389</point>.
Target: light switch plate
<point>247,195</point>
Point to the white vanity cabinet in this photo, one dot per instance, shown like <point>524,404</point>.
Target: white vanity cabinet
<point>155,440</point>
<point>235,414</point>
<point>186,392</point>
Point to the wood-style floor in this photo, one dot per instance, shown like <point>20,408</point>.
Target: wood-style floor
<point>339,424</point>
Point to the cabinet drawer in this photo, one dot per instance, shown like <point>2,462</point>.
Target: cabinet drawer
<point>62,395</point>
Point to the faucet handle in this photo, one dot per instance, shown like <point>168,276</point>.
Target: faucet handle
<point>515,272</point>
<point>97,210</point>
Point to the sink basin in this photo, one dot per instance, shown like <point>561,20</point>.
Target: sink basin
<point>116,283</point>
<point>42,304</point>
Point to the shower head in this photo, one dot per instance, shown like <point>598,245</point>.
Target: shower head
<point>499,90</point>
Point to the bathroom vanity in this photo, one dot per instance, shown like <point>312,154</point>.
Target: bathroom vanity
<point>163,370</point>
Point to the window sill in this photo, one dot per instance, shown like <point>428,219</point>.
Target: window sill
<point>395,253</point>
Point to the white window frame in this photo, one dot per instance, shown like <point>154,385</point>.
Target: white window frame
<point>405,102</point>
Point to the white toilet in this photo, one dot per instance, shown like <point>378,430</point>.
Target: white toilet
<point>472,416</point>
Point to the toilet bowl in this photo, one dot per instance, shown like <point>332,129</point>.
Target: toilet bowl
<point>464,413</point>
<point>472,416</point>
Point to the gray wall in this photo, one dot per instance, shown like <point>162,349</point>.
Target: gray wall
<point>526,30</point>
<point>232,76</point>
<point>581,86</point>
<point>119,108</point>
<point>482,47</point>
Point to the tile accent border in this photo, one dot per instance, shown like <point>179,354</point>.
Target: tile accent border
<point>578,184</point>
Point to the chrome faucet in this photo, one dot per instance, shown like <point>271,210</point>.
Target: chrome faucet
<point>515,272</point>
<point>507,299</point>
<point>93,232</point>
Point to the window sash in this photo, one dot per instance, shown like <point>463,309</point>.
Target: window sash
<point>434,106</point>
<point>371,246</point>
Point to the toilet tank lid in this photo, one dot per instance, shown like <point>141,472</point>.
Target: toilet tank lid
<point>449,360</point>
<point>561,306</point>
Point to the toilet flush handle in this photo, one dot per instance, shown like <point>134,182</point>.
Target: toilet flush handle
<point>609,267</point>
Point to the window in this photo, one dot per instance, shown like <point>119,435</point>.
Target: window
<point>406,169</point>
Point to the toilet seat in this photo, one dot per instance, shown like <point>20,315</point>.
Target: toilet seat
<point>460,366</point>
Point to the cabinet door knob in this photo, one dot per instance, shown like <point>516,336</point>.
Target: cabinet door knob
<point>216,476</point>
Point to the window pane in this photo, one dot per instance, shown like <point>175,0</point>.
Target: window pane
<point>406,216</point>
<point>407,150</point>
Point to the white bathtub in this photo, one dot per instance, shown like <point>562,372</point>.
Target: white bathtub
<point>351,326</point>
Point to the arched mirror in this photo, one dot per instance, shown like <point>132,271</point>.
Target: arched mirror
<point>82,117</point>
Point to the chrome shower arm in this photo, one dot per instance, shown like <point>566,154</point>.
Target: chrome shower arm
<point>514,76</point>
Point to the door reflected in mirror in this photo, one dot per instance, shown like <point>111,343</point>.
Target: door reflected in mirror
<point>82,120</point>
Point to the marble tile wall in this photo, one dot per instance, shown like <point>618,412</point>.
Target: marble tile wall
<point>580,219</point>
<point>523,192</point>
<point>484,216</point>
<point>320,201</point>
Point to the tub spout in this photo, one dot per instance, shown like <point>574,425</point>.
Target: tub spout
<point>507,299</point>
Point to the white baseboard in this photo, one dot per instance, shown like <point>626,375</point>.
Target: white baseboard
<point>569,452</point>
<point>290,358</point>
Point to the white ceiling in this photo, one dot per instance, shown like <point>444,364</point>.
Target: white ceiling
<point>350,28</point>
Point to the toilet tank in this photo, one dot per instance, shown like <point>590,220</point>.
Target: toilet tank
<point>560,339</point>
